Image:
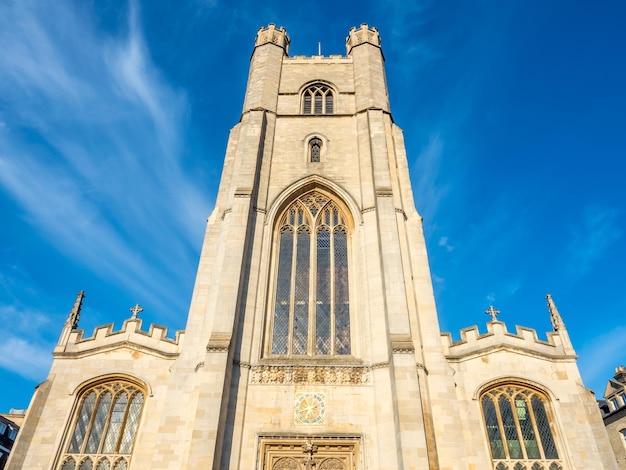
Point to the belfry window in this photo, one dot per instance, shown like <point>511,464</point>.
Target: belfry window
<point>318,99</point>
<point>104,427</point>
<point>315,149</point>
<point>519,429</point>
<point>311,306</point>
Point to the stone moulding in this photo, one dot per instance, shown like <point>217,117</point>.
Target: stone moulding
<point>310,375</point>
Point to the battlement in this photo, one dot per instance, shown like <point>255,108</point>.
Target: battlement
<point>154,341</point>
<point>362,35</point>
<point>524,340</point>
<point>273,35</point>
<point>333,58</point>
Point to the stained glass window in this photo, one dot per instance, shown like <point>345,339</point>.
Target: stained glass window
<point>318,99</point>
<point>311,306</point>
<point>104,427</point>
<point>518,428</point>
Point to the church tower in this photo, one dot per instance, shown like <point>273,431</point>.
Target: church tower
<point>312,339</point>
<point>313,314</point>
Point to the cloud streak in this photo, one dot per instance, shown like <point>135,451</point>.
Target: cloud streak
<point>105,184</point>
<point>596,233</point>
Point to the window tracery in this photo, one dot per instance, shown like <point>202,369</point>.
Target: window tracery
<point>519,429</point>
<point>311,305</point>
<point>318,99</point>
<point>104,427</point>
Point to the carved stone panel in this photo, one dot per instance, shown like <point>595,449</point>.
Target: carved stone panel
<point>310,375</point>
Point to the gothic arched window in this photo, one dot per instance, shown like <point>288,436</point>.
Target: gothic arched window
<point>315,149</point>
<point>104,427</point>
<point>318,99</point>
<point>311,305</point>
<point>519,428</point>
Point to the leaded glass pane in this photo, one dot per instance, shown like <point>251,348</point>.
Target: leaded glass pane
<point>318,102</point>
<point>120,465</point>
<point>329,103</point>
<point>493,429</point>
<point>301,307</point>
<point>283,294</point>
<point>510,431</point>
<point>501,466</point>
<point>103,465</point>
<point>342,306</point>
<point>543,428</point>
<point>130,428</point>
<point>526,426</point>
<point>555,466</point>
<point>115,423</point>
<point>519,466</point>
<point>69,464</point>
<point>99,422</point>
<point>316,146</point>
<point>86,464</point>
<point>307,103</point>
<point>84,416</point>
<point>322,311</point>
<point>537,466</point>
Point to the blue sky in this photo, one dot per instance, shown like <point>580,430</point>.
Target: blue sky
<point>114,118</point>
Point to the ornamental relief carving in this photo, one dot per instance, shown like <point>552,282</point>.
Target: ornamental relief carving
<point>310,375</point>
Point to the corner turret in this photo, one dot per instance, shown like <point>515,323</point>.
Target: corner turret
<point>271,45</point>
<point>363,45</point>
<point>362,35</point>
<point>273,35</point>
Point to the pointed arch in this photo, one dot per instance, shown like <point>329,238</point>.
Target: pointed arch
<point>309,311</point>
<point>519,424</point>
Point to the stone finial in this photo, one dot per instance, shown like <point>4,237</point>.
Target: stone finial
<point>310,449</point>
<point>135,310</point>
<point>273,35</point>
<point>493,312</point>
<point>74,315</point>
<point>555,316</point>
<point>362,35</point>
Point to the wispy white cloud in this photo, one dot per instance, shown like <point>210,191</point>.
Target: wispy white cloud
<point>444,242</point>
<point>26,359</point>
<point>428,190</point>
<point>598,230</point>
<point>92,147</point>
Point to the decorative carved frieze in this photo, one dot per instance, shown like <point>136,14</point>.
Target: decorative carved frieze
<point>310,375</point>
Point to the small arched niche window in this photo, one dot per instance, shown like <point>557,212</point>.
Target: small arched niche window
<point>315,149</point>
<point>519,428</point>
<point>318,99</point>
<point>103,427</point>
<point>311,303</point>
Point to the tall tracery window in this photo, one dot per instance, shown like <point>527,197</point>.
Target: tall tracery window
<point>315,149</point>
<point>104,427</point>
<point>311,307</point>
<point>318,99</point>
<point>519,429</point>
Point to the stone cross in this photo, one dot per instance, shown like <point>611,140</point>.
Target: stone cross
<point>136,309</point>
<point>493,312</point>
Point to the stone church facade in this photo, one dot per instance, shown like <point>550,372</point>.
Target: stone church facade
<point>312,339</point>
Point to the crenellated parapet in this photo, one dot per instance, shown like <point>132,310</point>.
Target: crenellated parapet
<point>524,340</point>
<point>154,341</point>
<point>362,35</point>
<point>273,35</point>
